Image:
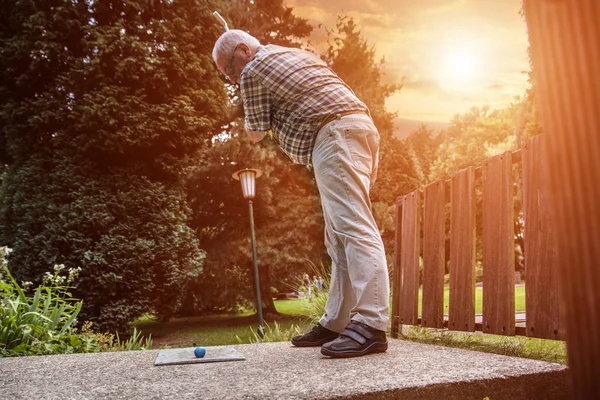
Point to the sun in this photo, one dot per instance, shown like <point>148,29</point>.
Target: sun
<point>462,65</point>
<point>459,68</point>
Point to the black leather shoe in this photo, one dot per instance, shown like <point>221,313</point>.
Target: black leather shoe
<point>317,336</point>
<point>356,340</point>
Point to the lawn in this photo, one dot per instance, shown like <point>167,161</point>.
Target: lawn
<point>221,329</point>
<point>227,329</point>
<point>519,299</point>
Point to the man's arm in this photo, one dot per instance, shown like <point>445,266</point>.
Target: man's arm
<point>237,111</point>
<point>256,100</point>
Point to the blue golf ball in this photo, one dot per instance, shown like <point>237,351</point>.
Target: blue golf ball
<point>199,352</point>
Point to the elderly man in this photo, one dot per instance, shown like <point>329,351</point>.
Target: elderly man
<point>317,120</point>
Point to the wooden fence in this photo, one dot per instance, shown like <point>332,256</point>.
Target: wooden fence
<point>424,242</point>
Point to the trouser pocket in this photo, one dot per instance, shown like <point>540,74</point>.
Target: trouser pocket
<point>363,146</point>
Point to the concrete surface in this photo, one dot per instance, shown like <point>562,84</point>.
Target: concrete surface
<point>279,371</point>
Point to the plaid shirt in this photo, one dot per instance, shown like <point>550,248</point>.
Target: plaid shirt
<point>292,92</point>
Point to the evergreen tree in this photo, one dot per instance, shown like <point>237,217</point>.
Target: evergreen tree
<point>104,106</point>
<point>286,209</point>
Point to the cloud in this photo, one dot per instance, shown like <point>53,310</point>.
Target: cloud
<point>415,38</point>
<point>424,85</point>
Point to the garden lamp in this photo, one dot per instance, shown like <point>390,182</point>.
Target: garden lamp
<point>247,178</point>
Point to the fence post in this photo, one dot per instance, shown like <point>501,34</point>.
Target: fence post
<point>498,246</point>
<point>565,50</point>
<point>409,260</point>
<point>461,307</point>
<point>396,326</point>
<point>434,255</point>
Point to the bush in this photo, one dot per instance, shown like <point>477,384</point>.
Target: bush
<point>44,323</point>
<point>39,324</point>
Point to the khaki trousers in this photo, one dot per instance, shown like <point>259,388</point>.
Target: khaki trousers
<point>345,161</point>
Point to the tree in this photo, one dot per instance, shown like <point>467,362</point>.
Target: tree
<point>471,138</point>
<point>287,208</point>
<point>423,145</point>
<point>105,105</point>
<point>353,59</point>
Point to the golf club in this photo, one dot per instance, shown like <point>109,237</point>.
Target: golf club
<point>221,20</point>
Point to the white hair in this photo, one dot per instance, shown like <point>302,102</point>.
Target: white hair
<point>230,39</point>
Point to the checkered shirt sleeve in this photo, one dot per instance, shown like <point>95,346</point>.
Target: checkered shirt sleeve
<point>257,104</point>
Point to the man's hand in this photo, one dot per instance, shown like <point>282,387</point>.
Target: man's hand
<point>255,136</point>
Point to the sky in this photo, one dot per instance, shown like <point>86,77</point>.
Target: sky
<point>451,55</point>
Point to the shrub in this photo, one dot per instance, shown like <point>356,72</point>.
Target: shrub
<point>44,322</point>
<point>38,324</point>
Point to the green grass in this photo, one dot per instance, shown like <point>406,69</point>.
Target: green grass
<point>519,299</point>
<point>293,307</point>
<point>225,329</point>
<point>516,346</point>
<point>220,329</point>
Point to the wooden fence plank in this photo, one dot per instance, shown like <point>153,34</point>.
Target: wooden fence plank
<point>433,256</point>
<point>541,267</point>
<point>462,251</point>
<point>498,246</point>
<point>409,259</point>
<point>396,326</point>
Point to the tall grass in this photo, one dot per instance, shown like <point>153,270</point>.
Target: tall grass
<point>44,322</point>
<point>318,300</point>
<point>275,334</point>
<point>27,322</point>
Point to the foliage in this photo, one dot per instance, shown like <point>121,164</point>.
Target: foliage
<point>353,59</point>
<point>473,137</point>
<point>423,146</point>
<point>32,322</point>
<point>45,322</point>
<point>105,106</point>
<point>270,21</point>
<point>286,210</point>
<point>316,305</point>
<point>275,334</point>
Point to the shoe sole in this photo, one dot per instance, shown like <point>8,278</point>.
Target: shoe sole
<point>373,348</point>
<point>312,344</point>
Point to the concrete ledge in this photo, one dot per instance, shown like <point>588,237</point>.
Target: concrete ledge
<point>279,371</point>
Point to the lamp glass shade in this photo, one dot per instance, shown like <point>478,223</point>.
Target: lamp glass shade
<point>248,181</point>
<point>247,178</point>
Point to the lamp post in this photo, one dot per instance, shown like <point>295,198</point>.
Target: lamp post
<point>247,178</point>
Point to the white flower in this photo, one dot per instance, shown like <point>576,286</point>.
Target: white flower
<point>47,277</point>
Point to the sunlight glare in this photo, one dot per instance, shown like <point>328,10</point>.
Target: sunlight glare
<point>461,68</point>
<point>462,65</point>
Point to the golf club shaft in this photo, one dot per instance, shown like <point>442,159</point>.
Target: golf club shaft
<point>221,20</point>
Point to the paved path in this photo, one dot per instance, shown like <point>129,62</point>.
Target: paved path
<point>279,371</point>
